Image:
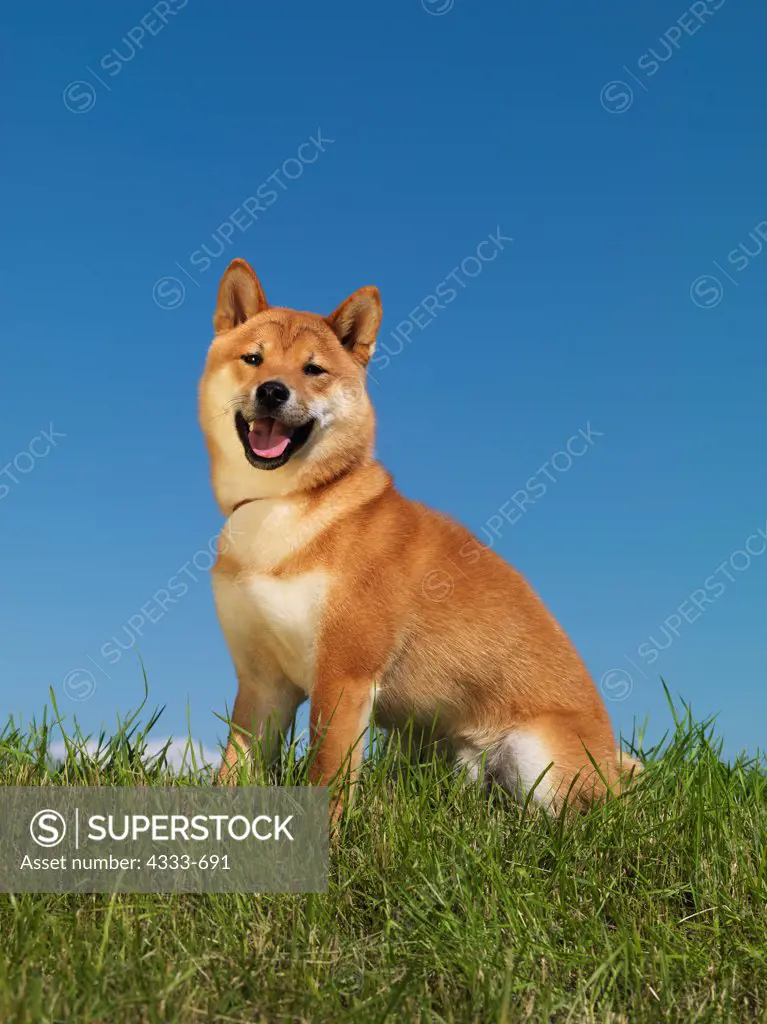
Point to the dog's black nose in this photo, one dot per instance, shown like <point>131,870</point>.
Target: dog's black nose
<point>272,393</point>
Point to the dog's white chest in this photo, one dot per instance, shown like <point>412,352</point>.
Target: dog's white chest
<point>271,624</point>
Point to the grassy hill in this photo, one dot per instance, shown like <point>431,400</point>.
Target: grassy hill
<point>446,903</point>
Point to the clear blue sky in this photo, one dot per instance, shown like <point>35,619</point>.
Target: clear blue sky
<point>447,123</point>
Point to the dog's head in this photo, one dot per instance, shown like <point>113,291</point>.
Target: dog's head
<point>283,400</point>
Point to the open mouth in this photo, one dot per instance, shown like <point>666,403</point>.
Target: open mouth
<point>268,443</point>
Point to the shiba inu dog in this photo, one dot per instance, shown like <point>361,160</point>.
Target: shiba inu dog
<point>333,586</point>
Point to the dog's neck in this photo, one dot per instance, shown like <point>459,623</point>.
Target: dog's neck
<point>263,534</point>
<point>366,477</point>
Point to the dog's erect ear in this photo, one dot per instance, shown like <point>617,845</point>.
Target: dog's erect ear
<point>356,322</point>
<point>240,296</point>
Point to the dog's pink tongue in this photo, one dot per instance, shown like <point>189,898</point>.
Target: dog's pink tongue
<point>268,438</point>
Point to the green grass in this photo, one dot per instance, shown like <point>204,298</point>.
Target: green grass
<point>446,903</point>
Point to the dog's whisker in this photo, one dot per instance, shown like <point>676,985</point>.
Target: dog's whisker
<point>233,405</point>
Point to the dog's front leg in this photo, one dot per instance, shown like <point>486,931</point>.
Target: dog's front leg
<point>340,714</point>
<point>262,713</point>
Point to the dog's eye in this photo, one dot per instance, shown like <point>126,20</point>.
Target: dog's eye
<point>312,370</point>
<point>252,358</point>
